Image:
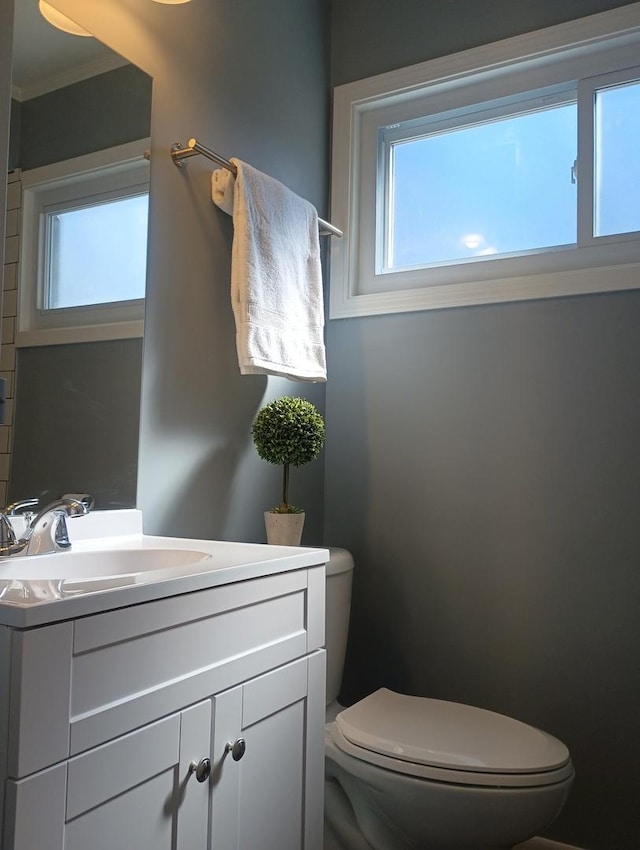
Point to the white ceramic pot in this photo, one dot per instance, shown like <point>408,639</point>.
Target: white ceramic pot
<point>283,529</point>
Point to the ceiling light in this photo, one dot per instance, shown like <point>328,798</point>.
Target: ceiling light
<point>172,2</point>
<point>60,21</point>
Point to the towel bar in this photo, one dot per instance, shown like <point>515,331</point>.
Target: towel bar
<point>194,148</point>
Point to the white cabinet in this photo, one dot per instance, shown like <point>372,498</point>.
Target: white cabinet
<point>137,791</point>
<point>269,799</point>
<point>107,713</point>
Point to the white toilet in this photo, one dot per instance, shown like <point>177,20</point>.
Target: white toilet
<point>412,773</point>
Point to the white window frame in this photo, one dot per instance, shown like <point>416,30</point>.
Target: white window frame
<point>456,270</point>
<point>586,53</point>
<point>115,172</point>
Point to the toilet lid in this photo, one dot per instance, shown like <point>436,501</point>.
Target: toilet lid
<point>442,734</point>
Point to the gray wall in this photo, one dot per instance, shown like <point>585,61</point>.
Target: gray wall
<point>6,47</point>
<point>100,112</point>
<point>76,422</point>
<point>83,399</point>
<point>249,80</point>
<point>15,127</point>
<point>483,464</point>
<point>373,36</point>
<point>260,95</point>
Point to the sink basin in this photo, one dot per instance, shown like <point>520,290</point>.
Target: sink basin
<point>70,566</point>
<point>64,574</point>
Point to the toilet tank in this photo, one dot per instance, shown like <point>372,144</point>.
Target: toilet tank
<point>338,607</point>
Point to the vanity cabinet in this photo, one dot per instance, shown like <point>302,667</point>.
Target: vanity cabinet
<point>107,715</point>
<point>124,794</point>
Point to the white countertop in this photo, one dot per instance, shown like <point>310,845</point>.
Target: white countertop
<point>27,602</point>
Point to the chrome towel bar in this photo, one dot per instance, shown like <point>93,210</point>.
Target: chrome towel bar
<point>179,153</point>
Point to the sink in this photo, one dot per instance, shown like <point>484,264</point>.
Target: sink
<point>64,574</point>
<point>113,565</point>
<point>105,563</point>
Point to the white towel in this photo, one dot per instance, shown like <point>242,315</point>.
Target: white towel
<point>276,278</point>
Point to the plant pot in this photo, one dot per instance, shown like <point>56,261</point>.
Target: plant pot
<point>283,529</point>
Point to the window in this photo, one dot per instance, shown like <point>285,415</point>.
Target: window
<point>83,263</point>
<point>469,187</point>
<point>617,159</point>
<point>95,253</point>
<point>487,177</point>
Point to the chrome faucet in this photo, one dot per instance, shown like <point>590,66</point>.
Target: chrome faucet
<point>45,532</point>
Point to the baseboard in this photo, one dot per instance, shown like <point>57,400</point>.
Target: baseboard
<point>544,844</point>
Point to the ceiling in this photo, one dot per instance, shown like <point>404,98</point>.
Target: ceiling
<point>45,58</point>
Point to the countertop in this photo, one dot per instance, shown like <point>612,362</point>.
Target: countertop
<point>63,595</point>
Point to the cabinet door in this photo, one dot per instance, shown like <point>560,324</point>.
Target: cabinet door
<point>271,798</point>
<point>137,791</point>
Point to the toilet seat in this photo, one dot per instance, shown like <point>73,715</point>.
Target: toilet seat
<point>449,742</point>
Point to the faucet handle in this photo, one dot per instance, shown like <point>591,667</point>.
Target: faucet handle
<point>7,534</point>
<point>79,503</point>
<point>14,508</point>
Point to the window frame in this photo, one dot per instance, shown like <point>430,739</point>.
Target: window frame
<point>582,54</point>
<point>451,120</point>
<point>587,90</point>
<point>115,172</point>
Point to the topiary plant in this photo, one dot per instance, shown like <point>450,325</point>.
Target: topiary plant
<point>288,431</point>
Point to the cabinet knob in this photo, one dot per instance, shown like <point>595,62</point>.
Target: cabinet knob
<point>237,748</point>
<point>202,769</point>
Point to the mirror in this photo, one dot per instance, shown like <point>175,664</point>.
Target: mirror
<point>72,415</point>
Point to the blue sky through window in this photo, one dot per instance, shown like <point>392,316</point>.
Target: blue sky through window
<point>617,184</point>
<point>488,189</point>
<point>99,253</point>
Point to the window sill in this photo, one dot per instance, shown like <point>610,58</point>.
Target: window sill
<point>526,288</point>
<point>81,333</point>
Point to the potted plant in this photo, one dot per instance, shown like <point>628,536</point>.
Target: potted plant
<point>287,432</point>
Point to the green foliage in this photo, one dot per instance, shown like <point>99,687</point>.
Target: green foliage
<point>288,431</point>
<point>284,508</point>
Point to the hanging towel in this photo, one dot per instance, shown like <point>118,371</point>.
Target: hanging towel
<point>276,278</point>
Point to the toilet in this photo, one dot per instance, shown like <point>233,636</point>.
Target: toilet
<point>413,773</point>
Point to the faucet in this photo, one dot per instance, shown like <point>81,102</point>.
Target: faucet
<point>45,532</point>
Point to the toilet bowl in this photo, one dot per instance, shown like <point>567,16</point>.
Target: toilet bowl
<point>413,773</point>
